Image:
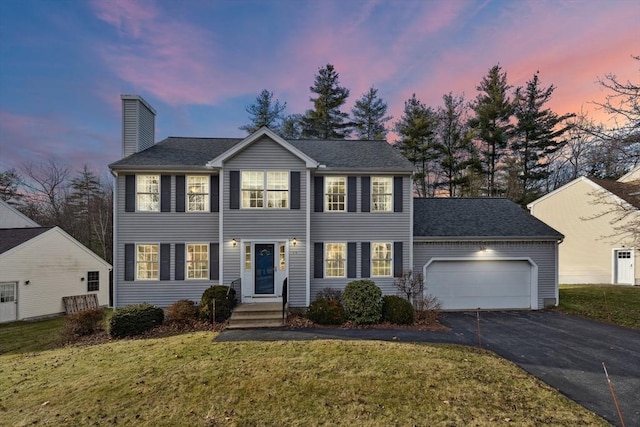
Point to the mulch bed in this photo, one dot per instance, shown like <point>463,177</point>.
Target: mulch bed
<point>297,321</point>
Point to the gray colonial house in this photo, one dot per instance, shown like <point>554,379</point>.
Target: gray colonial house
<point>280,218</point>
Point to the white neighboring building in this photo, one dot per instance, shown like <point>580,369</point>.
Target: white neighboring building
<point>10,217</point>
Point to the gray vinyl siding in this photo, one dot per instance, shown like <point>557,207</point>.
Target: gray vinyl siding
<point>263,224</point>
<point>138,127</point>
<point>160,227</point>
<point>362,227</point>
<point>542,253</point>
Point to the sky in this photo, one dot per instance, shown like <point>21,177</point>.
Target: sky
<point>200,63</point>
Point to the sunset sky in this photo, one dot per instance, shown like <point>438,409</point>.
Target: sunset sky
<point>64,64</point>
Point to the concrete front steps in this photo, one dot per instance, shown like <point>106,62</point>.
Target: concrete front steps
<point>258,315</point>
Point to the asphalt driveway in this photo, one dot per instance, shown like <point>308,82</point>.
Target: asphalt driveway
<point>564,351</point>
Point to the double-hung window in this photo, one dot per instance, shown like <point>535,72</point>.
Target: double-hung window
<point>381,194</point>
<point>147,262</point>
<point>268,189</point>
<point>335,259</point>
<point>335,195</point>
<point>197,193</point>
<point>93,281</point>
<point>197,261</point>
<point>148,193</point>
<point>381,259</point>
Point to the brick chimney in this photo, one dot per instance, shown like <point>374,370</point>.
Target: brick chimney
<point>138,124</point>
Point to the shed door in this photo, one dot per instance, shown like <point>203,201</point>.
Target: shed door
<point>8,302</point>
<point>488,284</point>
<point>624,267</point>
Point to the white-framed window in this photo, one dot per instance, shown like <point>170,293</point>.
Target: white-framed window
<point>335,259</point>
<point>381,259</point>
<point>282,256</point>
<point>381,194</point>
<point>147,261</point>
<point>197,193</point>
<point>262,189</point>
<point>93,281</point>
<point>335,193</point>
<point>148,193</point>
<point>247,256</point>
<point>7,292</point>
<point>197,261</point>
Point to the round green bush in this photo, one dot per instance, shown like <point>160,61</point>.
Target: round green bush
<point>182,311</point>
<point>225,301</point>
<point>326,312</point>
<point>362,301</point>
<point>134,320</point>
<point>397,310</point>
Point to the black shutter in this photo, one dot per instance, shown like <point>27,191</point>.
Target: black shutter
<point>397,259</point>
<point>214,261</point>
<point>180,190</point>
<point>351,260</point>
<point>365,183</point>
<point>318,195</point>
<point>129,261</point>
<point>130,193</point>
<point>165,193</point>
<point>397,194</point>
<point>234,190</point>
<point>318,260</point>
<point>365,267</point>
<point>294,190</point>
<point>165,263</point>
<point>214,195</point>
<point>352,190</point>
<point>180,261</point>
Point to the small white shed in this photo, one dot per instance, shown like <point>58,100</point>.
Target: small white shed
<point>41,265</point>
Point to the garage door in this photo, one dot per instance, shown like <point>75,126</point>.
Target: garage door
<point>490,284</point>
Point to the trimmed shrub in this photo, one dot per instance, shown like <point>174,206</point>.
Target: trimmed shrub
<point>397,310</point>
<point>134,320</point>
<point>362,301</point>
<point>182,311</point>
<point>225,301</point>
<point>330,294</point>
<point>326,312</point>
<point>84,322</point>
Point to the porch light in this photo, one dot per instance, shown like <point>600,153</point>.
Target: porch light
<point>294,242</point>
<point>483,248</point>
<point>233,242</point>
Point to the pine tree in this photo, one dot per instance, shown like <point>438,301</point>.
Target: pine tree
<point>291,127</point>
<point>325,120</point>
<point>10,182</point>
<point>265,112</point>
<point>493,112</point>
<point>369,116</point>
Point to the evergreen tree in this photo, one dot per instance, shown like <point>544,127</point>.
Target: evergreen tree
<point>493,112</point>
<point>369,116</point>
<point>10,182</point>
<point>417,129</point>
<point>537,135</point>
<point>325,120</point>
<point>291,127</point>
<point>265,112</point>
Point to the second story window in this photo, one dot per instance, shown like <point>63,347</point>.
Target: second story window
<point>265,189</point>
<point>381,194</point>
<point>148,193</point>
<point>335,195</point>
<point>197,193</point>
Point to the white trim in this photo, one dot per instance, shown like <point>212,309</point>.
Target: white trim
<point>265,190</point>
<point>186,261</point>
<point>29,221</point>
<point>207,203</point>
<point>221,238</point>
<point>614,265</point>
<point>159,175</point>
<point>115,252</point>
<point>534,271</point>
<point>557,273</point>
<point>135,262</point>
<point>325,200</point>
<point>393,255</point>
<point>410,226</point>
<point>251,296</point>
<point>324,258</point>
<point>308,241</point>
<point>391,205</point>
<point>263,131</point>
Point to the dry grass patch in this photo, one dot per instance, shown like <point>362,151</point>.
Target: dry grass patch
<point>615,304</point>
<point>188,380</point>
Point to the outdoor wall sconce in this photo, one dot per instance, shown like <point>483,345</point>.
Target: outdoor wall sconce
<point>233,242</point>
<point>27,282</point>
<point>294,242</point>
<point>82,279</point>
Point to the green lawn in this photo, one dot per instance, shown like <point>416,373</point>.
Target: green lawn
<point>615,304</point>
<point>190,380</point>
<point>30,336</point>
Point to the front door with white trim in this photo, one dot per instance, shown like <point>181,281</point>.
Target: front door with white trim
<point>8,302</point>
<point>264,269</point>
<point>624,266</point>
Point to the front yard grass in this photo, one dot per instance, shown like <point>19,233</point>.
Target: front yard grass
<point>30,336</point>
<point>190,380</point>
<point>615,304</point>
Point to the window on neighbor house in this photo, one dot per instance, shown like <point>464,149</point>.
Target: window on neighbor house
<point>265,189</point>
<point>7,292</point>
<point>148,193</point>
<point>147,262</point>
<point>93,281</point>
<point>381,259</point>
<point>335,259</point>
<point>197,261</point>
<point>335,194</point>
<point>381,194</point>
<point>197,193</point>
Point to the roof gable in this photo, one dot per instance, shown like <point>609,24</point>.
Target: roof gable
<point>14,237</point>
<point>10,217</point>
<point>632,175</point>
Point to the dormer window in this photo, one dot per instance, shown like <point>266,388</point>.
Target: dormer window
<point>148,193</point>
<point>262,189</point>
<point>335,196</point>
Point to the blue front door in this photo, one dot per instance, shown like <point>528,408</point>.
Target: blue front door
<point>264,269</point>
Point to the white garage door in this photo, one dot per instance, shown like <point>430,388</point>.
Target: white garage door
<point>490,284</point>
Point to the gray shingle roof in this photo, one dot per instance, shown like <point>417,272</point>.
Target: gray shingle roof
<point>477,218</point>
<point>175,152</point>
<point>12,237</point>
